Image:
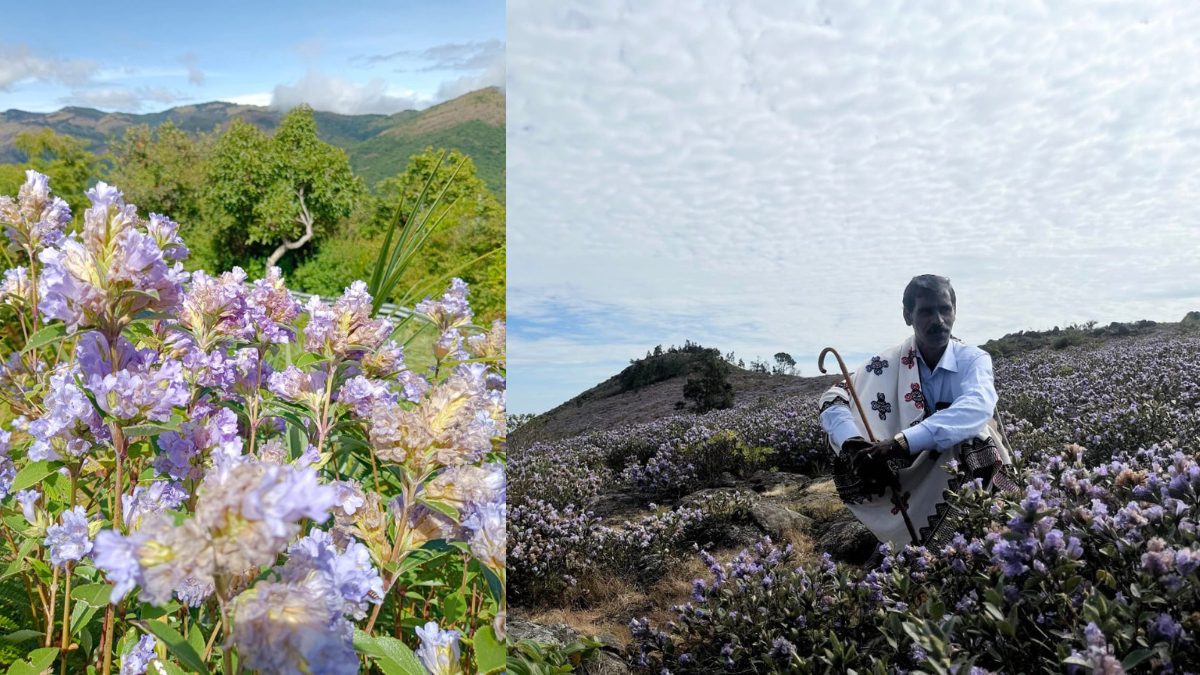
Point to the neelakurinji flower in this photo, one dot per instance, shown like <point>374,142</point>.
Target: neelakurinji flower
<point>102,277</point>
<point>349,571</point>
<point>290,628</point>
<point>450,311</point>
<point>69,540</point>
<point>439,651</point>
<point>345,329</point>
<point>210,432</point>
<point>35,219</point>
<point>139,657</point>
<point>486,523</point>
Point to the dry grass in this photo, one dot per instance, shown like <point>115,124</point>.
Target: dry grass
<point>611,602</point>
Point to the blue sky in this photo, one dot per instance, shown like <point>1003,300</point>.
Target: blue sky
<point>349,57</point>
<point>764,176</point>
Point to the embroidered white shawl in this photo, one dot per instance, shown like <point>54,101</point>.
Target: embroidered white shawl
<point>889,387</point>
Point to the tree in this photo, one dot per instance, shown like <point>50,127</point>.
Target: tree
<point>708,387</point>
<point>164,171</point>
<point>66,160</point>
<point>784,364</point>
<point>279,193</point>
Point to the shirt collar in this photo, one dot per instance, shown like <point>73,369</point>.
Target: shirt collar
<point>949,359</point>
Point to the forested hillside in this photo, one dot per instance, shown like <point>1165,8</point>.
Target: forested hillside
<point>314,193</point>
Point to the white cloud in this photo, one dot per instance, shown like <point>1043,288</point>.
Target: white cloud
<point>334,94</point>
<point>492,76</point>
<point>19,63</point>
<point>259,99</point>
<point>788,167</point>
<point>121,99</point>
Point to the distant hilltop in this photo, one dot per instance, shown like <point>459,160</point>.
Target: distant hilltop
<point>378,145</point>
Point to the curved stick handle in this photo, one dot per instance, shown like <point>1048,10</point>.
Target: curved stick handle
<point>849,386</point>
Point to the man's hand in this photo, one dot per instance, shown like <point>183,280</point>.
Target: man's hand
<point>869,461</point>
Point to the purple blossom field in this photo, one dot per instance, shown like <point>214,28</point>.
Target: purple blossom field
<point>1091,567</point>
<point>200,474</point>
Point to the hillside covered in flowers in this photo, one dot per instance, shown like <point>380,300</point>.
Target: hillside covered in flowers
<point>716,543</point>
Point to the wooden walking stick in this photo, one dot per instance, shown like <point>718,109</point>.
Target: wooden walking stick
<point>897,500</point>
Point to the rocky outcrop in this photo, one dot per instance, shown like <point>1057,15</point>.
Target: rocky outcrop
<point>604,661</point>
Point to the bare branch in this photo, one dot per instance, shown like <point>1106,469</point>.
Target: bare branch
<point>305,218</point>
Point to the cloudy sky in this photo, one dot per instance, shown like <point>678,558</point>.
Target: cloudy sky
<point>767,176</point>
<point>347,57</point>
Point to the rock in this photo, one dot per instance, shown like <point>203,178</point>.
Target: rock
<point>779,522</point>
<point>701,495</point>
<point>848,541</point>
<point>725,480</point>
<point>557,634</point>
<point>604,662</point>
<point>617,507</point>
<point>819,501</point>
<point>779,483</point>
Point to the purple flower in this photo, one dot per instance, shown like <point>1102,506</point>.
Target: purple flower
<point>69,541</point>
<point>208,435</point>
<point>362,394</point>
<point>138,658</point>
<point>28,499</point>
<point>1163,627</point>
<point>486,523</point>
<point>158,496</point>
<point>451,310</point>
<point>349,572</point>
<point>291,628</point>
<point>35,219</point>
<point>345,329</point>
<point>270,309</point>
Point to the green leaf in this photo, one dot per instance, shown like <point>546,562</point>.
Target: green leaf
<point>454,607</point>
<point>175,644</point>
<point>52,333</point>
<point>169,667</point>
<point>489,652</point>
<point>39,661</point>
<point>96,595</point>
<point>81,614</point>
<point>18,563</point>
<point>1135,658</point>
<point>22,635</point>
<point>442,508</point>
<point>31,475</point>
<point>195,638</point>
<point>154,428</point>
<point>393,656</point>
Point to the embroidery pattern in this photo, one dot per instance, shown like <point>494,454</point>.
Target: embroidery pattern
<point>916,397</point>
<point>838,400</point>
<point>881,406</point>
<point>877,365</point>
<point>910,360</point>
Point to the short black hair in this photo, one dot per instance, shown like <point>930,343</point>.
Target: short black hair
<point>926,283</point>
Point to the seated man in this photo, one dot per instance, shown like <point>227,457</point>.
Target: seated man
<point>927,401</point>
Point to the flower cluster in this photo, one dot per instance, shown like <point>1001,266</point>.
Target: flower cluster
<point>269,476</point>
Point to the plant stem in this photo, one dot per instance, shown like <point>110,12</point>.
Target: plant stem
<point>50,609</point>
<point>107,641</point>
<point>66,627</point>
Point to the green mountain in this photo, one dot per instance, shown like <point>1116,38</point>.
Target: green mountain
<point>378,145</point>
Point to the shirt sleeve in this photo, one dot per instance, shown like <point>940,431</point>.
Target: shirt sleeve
<point>966,416</point>
<point>838,422</point>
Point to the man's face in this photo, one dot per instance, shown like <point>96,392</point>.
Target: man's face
<point>932,318</point>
